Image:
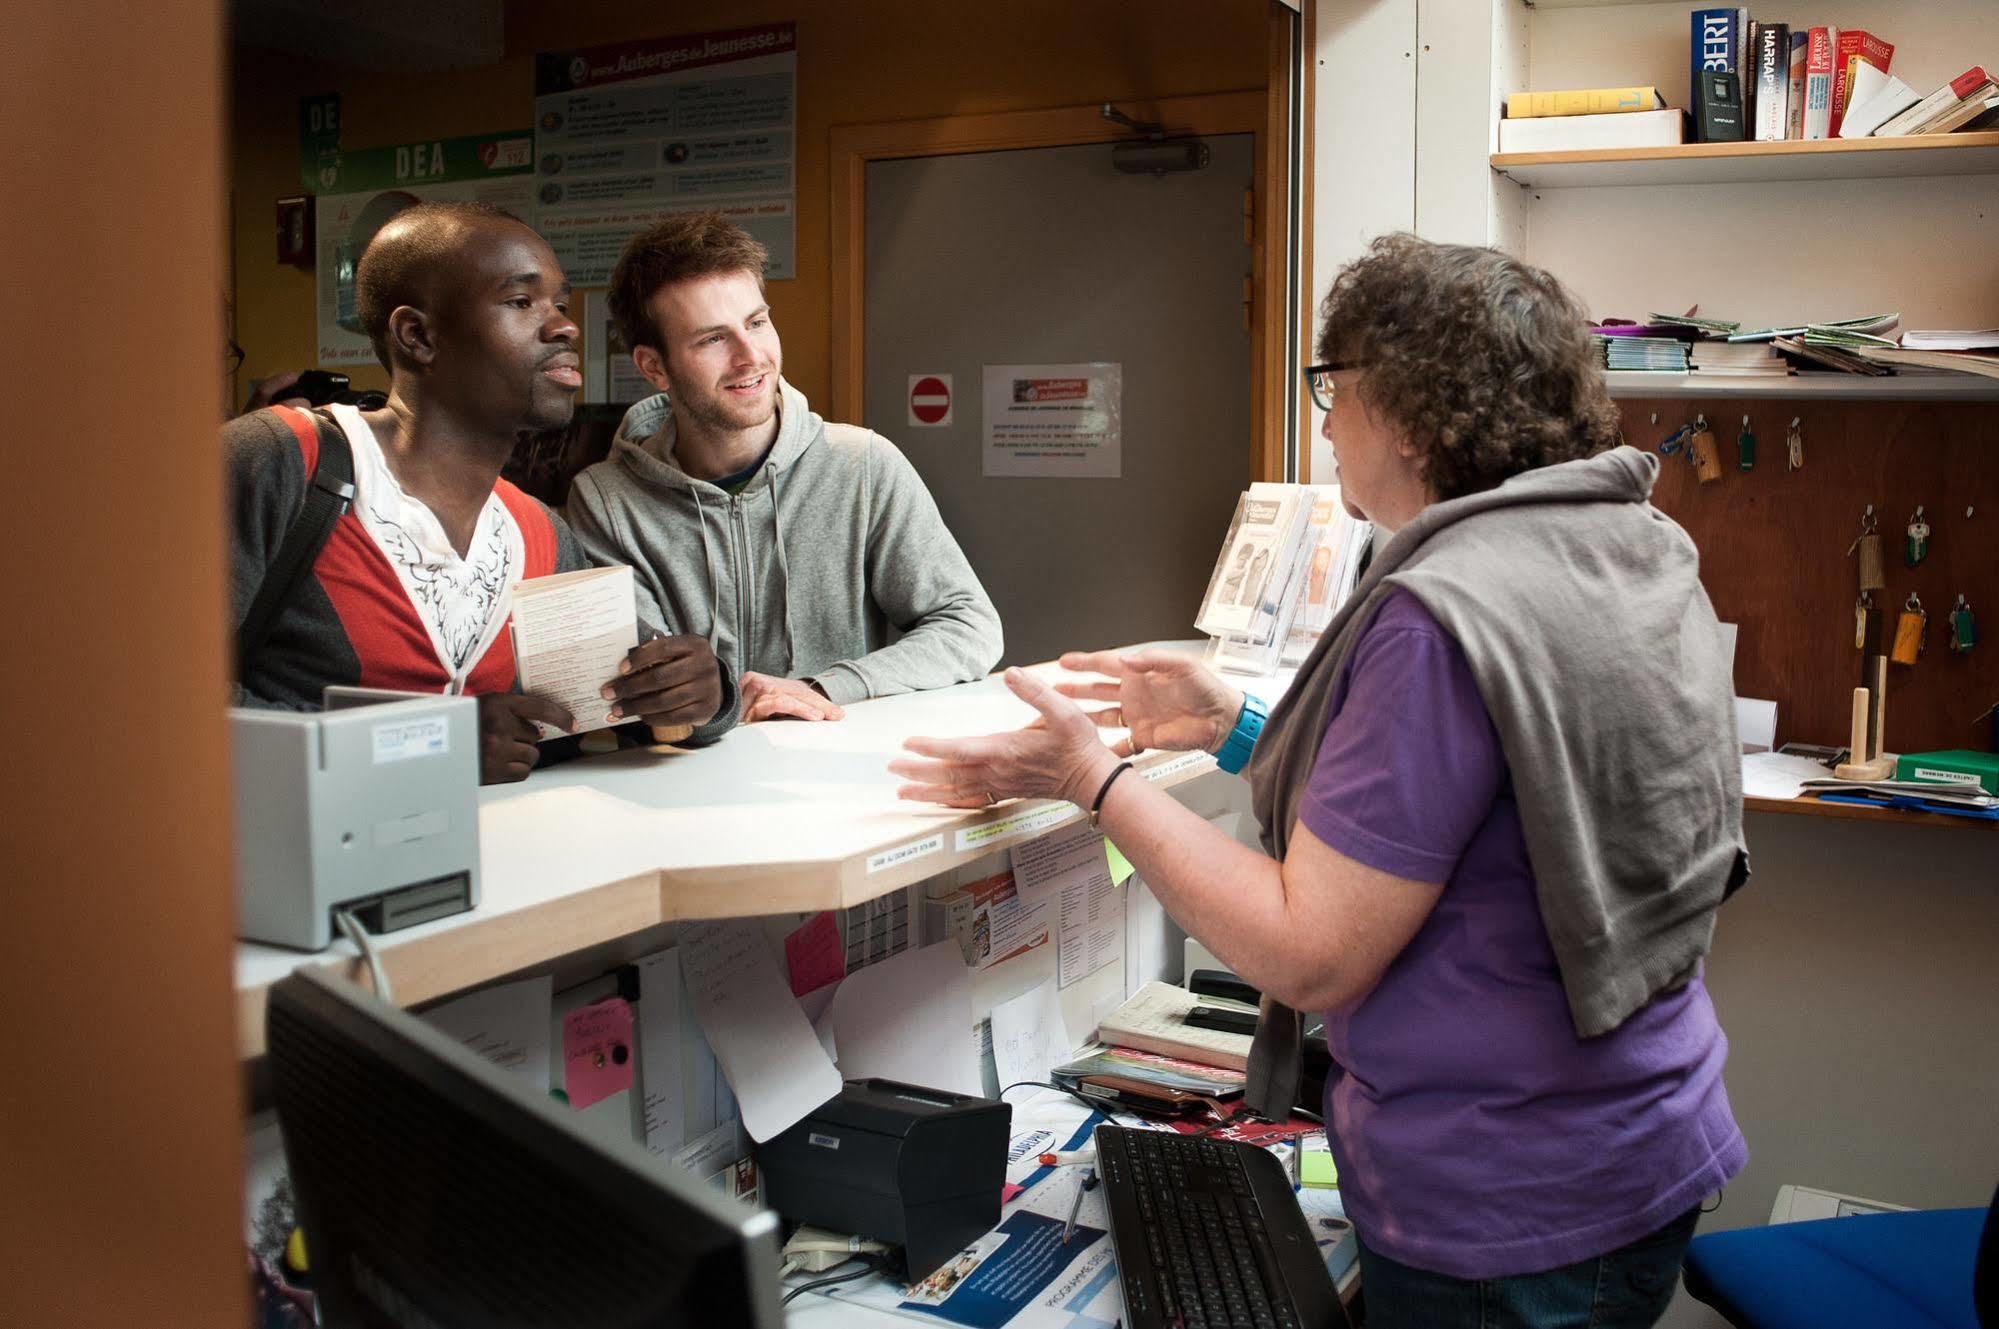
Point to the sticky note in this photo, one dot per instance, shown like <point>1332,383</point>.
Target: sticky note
<point>1121,868</point>
<point>814,955</point>
<point>1316,1169</point>
<point>597,1051</point>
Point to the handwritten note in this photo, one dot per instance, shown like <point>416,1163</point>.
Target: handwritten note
<point>814,955</point>
<point>507,1024</point>
<point>909,1018</point>
<point>773,1061</point>
<point>597,1052</point>
<point>659,1051</point>
<point>1028,1036</point>
<point>1090,924</point>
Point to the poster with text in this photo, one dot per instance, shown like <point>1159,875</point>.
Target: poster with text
<point>1054,420</point>
<point>361,190</point>
<point>628,133</point>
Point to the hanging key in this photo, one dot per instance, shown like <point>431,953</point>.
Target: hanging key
<point>1910,627</point>
<point>1745,447</point>
<point>1868,545</point>
<point>1963,627</point>
<point>1917,546</point>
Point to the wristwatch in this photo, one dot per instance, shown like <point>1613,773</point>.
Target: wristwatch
<point>1235,750</point>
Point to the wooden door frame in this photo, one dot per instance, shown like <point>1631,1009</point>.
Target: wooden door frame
<point>1248,112</point>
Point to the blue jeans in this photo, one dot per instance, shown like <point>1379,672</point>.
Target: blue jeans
<point>1627,1288</point>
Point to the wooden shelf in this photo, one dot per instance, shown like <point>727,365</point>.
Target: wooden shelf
<point>1812,807</point>
<point>1739,163</point>
<point>1639,384</point>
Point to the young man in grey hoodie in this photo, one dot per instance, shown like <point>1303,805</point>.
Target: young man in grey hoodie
<point>792,544</point>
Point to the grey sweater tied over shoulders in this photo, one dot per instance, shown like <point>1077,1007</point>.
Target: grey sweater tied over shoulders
<point>1580,610</point>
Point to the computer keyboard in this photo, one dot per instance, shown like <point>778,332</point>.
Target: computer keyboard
<point>1209,1236</point>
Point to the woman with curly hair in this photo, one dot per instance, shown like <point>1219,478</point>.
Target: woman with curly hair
<point>1500,805</point>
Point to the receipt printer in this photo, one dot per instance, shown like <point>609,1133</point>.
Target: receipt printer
<point>921,1169</point>
<point>373,809</point>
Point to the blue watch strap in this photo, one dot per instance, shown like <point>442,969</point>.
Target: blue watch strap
<point>1242,739</point>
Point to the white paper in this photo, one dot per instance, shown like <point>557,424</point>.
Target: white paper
<point>571,631</point>
<point>1054,420</point>
<point>1778,774</point>
<point>774,1062</point>
<point>1756,723</point>
<point>1090,924</point>
<point>659,1051</point>
<point>909,1018</point>
<point>1029,1037</point>
<point>507,1024</point>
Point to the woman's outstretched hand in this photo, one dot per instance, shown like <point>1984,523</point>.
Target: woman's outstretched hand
<point>1167,699</point>
<point>1058,755</point>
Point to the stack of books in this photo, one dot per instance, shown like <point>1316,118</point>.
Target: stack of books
<point>1952,351</point>
<point>1589,118</point>
<point>1969,101</point>
<point>1654,354</point>
<point>1739,359</point>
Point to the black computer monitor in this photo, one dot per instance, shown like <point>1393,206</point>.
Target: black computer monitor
<point>434,1192</point>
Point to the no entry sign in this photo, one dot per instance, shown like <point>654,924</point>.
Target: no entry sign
<point>930,399</point>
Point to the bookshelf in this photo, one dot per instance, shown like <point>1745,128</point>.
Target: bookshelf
<point>1638,385</point>
<point>1758,163</point>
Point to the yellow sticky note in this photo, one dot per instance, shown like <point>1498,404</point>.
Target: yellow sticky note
<point>1121,868</point>
<point>1316,1169</point>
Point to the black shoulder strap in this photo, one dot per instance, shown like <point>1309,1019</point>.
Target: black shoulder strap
<point>328,494</point>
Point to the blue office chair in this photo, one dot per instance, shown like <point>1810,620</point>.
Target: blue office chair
<point>1925,1269</point>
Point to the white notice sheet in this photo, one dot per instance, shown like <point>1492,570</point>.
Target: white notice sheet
<point>1054,420</point>
<point>1029,1038</point>
<point>1090,925</point>
<point>570,632</point>
<point>909,1018</point>
<point>507,1024</point>
<point>774,1062</point>
<point>659,1051</point>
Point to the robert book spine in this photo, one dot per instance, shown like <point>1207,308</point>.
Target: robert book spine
<point>1715,45</point>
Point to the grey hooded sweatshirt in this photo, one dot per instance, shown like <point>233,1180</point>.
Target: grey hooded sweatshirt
<point>832,543</point>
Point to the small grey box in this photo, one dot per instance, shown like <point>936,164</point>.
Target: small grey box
<point>374,809</point>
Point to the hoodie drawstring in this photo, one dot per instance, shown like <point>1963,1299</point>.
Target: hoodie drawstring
<point>784,576</point>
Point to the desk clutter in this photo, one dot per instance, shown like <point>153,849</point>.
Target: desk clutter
<point>1761,81</point>
<point>956,1203</point>
<point>1717,349</point>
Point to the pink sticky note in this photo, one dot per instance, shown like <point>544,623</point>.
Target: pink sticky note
<point>1008,1191</point>
<point>597,1051</point>
<point>814,955</point>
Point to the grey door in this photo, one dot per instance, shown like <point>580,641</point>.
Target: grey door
<point>1048,256</point>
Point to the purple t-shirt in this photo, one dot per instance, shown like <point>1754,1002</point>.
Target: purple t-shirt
<point>1476,1134</point>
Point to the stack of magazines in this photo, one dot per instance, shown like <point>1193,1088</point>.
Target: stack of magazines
<point>1659,354</point>
<point>1290,560</point>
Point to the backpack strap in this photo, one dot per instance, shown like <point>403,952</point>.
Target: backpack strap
<point>328,495</point>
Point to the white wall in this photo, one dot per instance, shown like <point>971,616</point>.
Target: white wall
<point>1761,254</point>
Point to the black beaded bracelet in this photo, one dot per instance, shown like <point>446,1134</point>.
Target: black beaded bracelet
<point>1097,808</point>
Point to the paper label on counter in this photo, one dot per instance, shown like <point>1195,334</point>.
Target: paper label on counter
<point>1173,766</point>
<point>903,853</point>
<point>1021,823</point>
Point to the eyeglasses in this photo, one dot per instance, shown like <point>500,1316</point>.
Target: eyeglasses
<point>1319,379</point>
